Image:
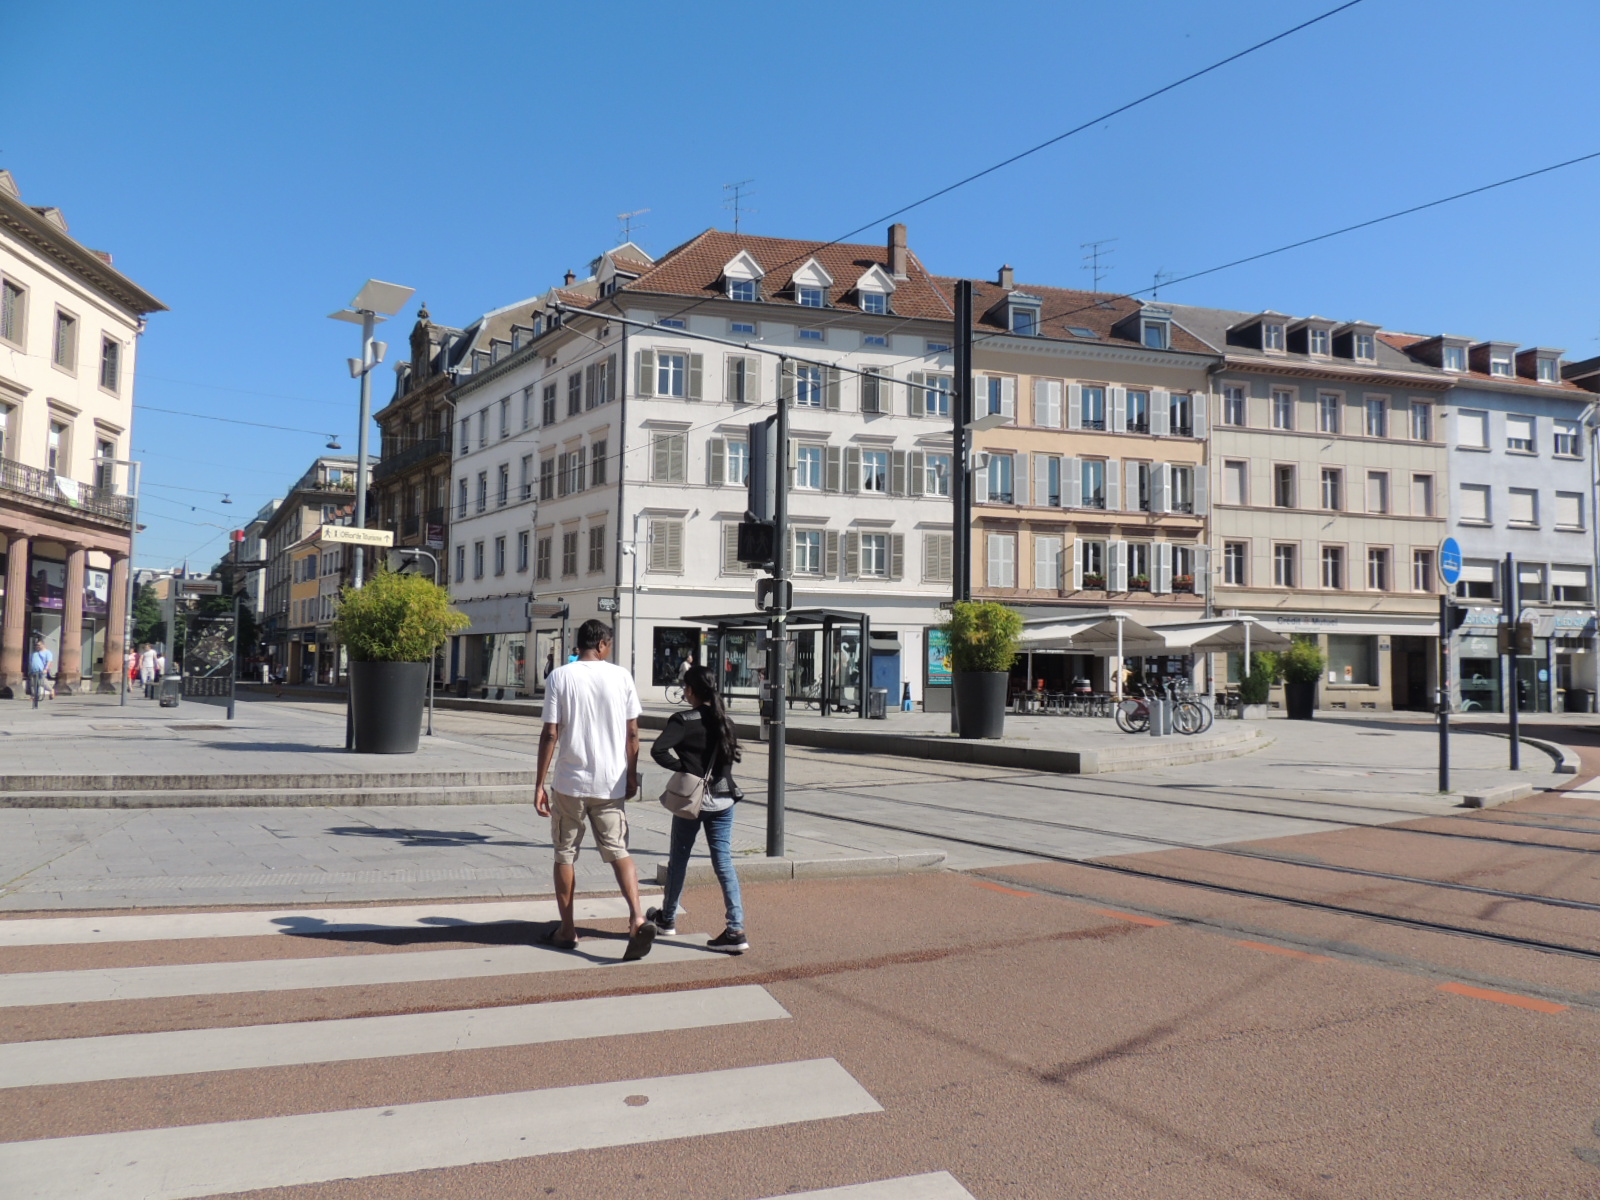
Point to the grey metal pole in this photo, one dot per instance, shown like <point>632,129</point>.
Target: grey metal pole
<point>961,409</point>
<point>1509,607</point>
<point>233,664</point>
<point>778,638</point>
<point>1444,692</point>
<point>133,591</point>
<point>633,607</point>
<point>368,321</point>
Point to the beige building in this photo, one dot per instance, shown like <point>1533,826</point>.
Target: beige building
<point>1329,471</point>
<point>69,328</point>
<point>319,496</point>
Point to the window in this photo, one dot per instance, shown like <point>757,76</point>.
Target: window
<point>483,490</point>
<point>874,339</point>
<point>1530,583</point>
<point>937,553</point>
<point>1422,495</point>
<point>671,372</point>
<point>1569,585</point>
<point>1479,580</point>
<point>1282,408</point>
<point>461,563</point>
<point>1472,429</point>
<point>110,364</point>
<point>1093,493</point>
<point>1002,393</point>
<point>1235,482</point>
<point>525,478</point>
<point>13,312</point>
<point>810,297</point>
<point>742,327</point>
<point>463,442</point>
<point>1332,488</point>
<point>1333,567</point>
<point>1139,563</point>
<point>1283,486</point>
<point>64,350</point>
<point>1377,491</point>
<point>1523,508</point>
<point>1455,358</point>
<point>875,555</point>
<point>938,347</point>
<point>872,391</point>
<point>668,460</point>
<point>808,552</point>
<point>1272,335</point>
<point>522,551</point>
<point>502,492</point>
<point>737,464</point>
<point>542,558</point>
<point>1025,320</point>
<point>1328,405</point>
<point>1352,659</point>
<point>812,335</point>
<point>1545,370</point>
<point>1235,563</point>
<point>1317,342</point>
<point>742,289</point>
<point>1180,414</point>
<point>597,549</point>
<point>1377,569</point>
<point>1283,566</point>
<point>874,302</point>
<point>1094,405</point>
<point>1564,439</point>
<point>477,560</point>
<point>1366,346</point>
<point>547,479</point>
<point>1569,510</point>
<point>742,386</point>
<point>1156,335</point>
<point>505,417</point>
<point>1002,560</point>
<point>597,464</point>
<point>483,428</point>
<point>576,471</point>
<point>1421,421</point>
<point>461,497</point>
<point>1377,413</point>
<point>56,456</point>
<point>1139,474</point>
<point>1422,570</point>
<point>808,468</point>
<point>1475,508</point>
<point>1050,468</point>
<point>1138,416</point>
<point>547,414</point>
<point>1519,434</point>
<point>527,408</point>
<point>1181,495</point>
<point>936,397</point>
<point>1235,407</point>
<point>875,471</point>
<point>1000,479</point>
<point>104,471</point>
<point>1500,365</point>
<point>500,555</point>
<point>1092,562</point>
<point>937,475</point>
<point>808,386</point>
<point>569,553</point>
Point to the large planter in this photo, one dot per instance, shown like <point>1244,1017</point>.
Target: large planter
<point>386,700</point>
<point>980,702</point>
<point>1301,701</point>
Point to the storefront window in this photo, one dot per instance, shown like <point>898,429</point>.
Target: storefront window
<point>674,648</point>
<point>1479,673</point>
<point>1352,659</point>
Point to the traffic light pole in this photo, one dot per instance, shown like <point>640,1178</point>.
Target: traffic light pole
<point>1508,607</point>
<point>1444,691</point>
<point>777,635</point>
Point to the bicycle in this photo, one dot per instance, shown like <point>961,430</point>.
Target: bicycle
<point>1189,716</point>
<point>675,694</point>
<point>1133,715</point>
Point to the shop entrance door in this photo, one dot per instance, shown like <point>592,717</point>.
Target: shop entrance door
<point>1533,685</point>
<point>1408,666</point>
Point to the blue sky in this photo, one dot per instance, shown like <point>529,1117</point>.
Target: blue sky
<point>252,165</point>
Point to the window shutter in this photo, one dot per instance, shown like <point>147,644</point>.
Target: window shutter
<point>1019,478</point>
<point>645,373</point>
<point>980,486</point>
<point>1071,482</point>
<point>897,555</point>
<point>1160,412</point>
<point>852,468</point>
<point>917,473</point>
<point>716,461</point>
<point>1200,407</point>
<point>1041,479</point>
<point>1161,580</point>
<point>830,553</point>
<point>1118,552</point>
<point>561,475</point>
<point>588,386</point>
<point>786,382</point>
<point>1202,497</point>
<point>730,375</point>
<point>897,473</point>
<point>1130,487</point>
<point>697,364</point>
<point>830,394</point>
<point>730,549</point>
<point>1047,403</point>
<point>752,380</point>
<point>1077,566</point>
<point>679,444</point>
<point>1117,418</point>
<point>1043,562</point>
<point>917,399</point>
<point>1202,570</point>
<point>1113,483</point>
<point>675,545</point>
<point>1160,488</point>
<point>1074,406</point>
<point>833,470</point>
<point>1008,397</point>
<point>852,554</point>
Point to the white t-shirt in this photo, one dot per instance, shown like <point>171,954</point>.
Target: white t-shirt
<point>592,703</point>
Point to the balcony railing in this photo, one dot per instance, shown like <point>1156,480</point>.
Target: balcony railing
<point>40,486</point>
<point>419,451</point>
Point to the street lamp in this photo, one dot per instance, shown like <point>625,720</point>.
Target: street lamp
<point>376,301</point>
<point>631,549</point>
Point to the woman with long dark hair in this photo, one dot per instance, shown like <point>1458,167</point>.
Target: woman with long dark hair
<point>701,743</point>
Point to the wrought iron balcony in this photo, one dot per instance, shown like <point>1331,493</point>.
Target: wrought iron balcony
<point>41,487</point>
<point>417,452</point>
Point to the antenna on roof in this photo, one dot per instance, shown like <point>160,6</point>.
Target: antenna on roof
<point>1162,275</point>
<point>736,201</point>
<point>1097,261</point>
<point>627,223</point>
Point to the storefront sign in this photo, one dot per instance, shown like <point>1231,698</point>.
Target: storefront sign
<point>938,658</point>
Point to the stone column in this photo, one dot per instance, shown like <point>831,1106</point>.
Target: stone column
<point>69,671</point>
<point>116,626</point>
<point>14,623</point>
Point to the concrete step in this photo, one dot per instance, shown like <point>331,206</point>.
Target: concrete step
<point>268,797</point>
<point>348,780</point>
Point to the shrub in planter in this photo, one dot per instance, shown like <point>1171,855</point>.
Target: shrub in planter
<point>1301,666</point>
<point>983,645</point>
<point>1256,683</point>
<point>391,629</point>
<point>1139,583</point>
<point>1183,583</point>
<point>1094,581</point>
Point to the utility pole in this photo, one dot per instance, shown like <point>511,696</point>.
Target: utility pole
<point>1509,615</point>
<point>1444,691</point>
<point>778,634</point>
<point>961,410</point>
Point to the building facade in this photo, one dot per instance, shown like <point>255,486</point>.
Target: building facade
<point>69,329</point>
<point>328,485</point>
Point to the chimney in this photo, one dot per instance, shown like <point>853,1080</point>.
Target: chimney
<point>897,250</point>
<point>571,278</point>
<point>1007,280</point>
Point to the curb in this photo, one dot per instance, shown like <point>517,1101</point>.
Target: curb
<point>766,870</point>
<point>1567,760</point>
<point>1493,796</point>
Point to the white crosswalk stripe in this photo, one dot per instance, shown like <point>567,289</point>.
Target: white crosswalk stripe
<point>940,1185</point>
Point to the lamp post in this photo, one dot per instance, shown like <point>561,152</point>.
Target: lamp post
<point>631,549</point>
<point>376,301</point>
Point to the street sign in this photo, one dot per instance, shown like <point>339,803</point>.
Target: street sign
<point>607,603</point>
<point>1449,561</point>
<point>356,536</point>
<point>202,587</point>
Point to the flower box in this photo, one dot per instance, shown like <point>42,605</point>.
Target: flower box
<point>1094,581</point>
<point>1139,583</point>
<point>1183,583</point>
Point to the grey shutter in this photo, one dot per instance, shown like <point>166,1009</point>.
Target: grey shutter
<point>1077,565</point>
<point>830,393</point>
<point>1117,417</point>
<point>1074,406</point>
<point>752,380</point>
<point>1202,491</point>
<point>833,469</point>
<point>1202,570</point>
<point>589,385</point>
<point>916,398</point>
<point>852,554</point>
<point>1071,482</point>
<point>897,556</point>
<point>1161,577</point>
<point>561,474</point>
<point>697,364</point>
<point>792,463</point>
<point>1160,412</point>
<point>730,549</point>
<point>1041,479</point>
<point>830,553</point>
<point>1160,488</point>
<point>1008,397</point>
<point>1118,553</point>
<point>644,373</point>
<point>786,382</point>
<point>717,462</point>
<point>980,486</point>
<point>916,473</point>
<point>730,371</point>
<point>1201,410</point>
<point>1113,482</point>
<point>852,468</point>
<point>1019,478</point>
<point>897,473</point>
<point>680,457</point>
<point>1130,487</point>
<point>675,546</point>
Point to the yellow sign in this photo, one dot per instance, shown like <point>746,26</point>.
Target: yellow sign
<point>356,536</point>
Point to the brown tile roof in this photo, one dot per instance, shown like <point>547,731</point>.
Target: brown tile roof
<point>631,265</point>
<point>695,269</point>
<point>1401,341</point>
<point>1065,309</point>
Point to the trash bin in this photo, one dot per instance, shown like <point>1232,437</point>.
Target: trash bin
<point>463,687</point>
<point>1577,700</point>
<point>171,691</point>
<point>877,704</point>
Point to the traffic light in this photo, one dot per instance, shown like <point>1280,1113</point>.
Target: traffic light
<point>756,542</point>
<point>1516,640</point>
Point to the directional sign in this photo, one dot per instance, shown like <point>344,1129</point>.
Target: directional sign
<point>607,604</point>
<point>202,587</point>
<point>356,536</point>
<point>1449,561</point>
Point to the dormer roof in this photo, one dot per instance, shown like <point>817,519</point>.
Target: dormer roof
<point>876,279</point>
<point>743,265</point>
<point>812,274</point>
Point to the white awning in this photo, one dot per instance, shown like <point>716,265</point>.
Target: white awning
<point>1196,637</point>
<point>1092,633</point>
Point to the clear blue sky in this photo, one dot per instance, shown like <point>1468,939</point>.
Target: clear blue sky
<point>251,165</point>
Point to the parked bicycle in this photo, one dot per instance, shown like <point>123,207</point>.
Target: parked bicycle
<point>1189,715</point>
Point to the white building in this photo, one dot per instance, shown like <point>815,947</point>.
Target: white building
<point>603,438</point>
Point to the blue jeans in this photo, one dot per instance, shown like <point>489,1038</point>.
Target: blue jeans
<point>719,840</point>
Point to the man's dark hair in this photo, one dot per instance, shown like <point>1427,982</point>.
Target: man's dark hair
<point>591,633</point>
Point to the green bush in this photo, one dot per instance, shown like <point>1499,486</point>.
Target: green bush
<point>983,636</point>
<point>1258,681</point>
<point>396,618</point>
<point>1302,662</point>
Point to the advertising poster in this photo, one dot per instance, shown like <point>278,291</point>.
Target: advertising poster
<point>938,658</point>
<point>47,585</point>
<point>96,592</point>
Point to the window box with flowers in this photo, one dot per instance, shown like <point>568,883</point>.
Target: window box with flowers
<point>1183,583</point>
<point>1094,582</point>
<point>1139,583</point>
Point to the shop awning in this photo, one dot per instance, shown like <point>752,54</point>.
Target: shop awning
<point>1091,633</point>
<point>1221,636</point>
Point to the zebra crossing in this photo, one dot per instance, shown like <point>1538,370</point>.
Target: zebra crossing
<point>220,1157</point>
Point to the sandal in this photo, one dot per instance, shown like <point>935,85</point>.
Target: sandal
<point>639,942</point>
<point>549,938</point>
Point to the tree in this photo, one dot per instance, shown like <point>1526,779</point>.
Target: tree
<point>148,625</point>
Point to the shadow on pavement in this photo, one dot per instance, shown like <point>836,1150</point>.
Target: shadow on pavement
<point>431,837</point>
<point>286,747</point>
<point>446,931</point>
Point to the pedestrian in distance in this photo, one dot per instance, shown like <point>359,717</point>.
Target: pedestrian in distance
<point>591,736</point>
<point>701,743</point>
<point>39,663</point>
<point>147,669</point>
<point>161,666</point>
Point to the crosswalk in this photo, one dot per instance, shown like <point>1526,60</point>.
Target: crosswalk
<point>223,1155</point>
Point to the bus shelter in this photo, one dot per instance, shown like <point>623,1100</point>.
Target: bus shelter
<point>827,656</point>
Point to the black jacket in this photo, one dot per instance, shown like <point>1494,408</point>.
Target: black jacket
<point>686,743</point>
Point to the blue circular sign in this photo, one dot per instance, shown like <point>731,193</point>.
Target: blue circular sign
<point>1449,561</point>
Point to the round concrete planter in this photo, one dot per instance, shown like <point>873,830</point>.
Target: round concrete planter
<point>980,702</point>
<point>1301,701</point>
<point>386,700</point>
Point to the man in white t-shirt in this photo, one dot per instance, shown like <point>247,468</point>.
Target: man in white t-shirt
<point>591,731</point>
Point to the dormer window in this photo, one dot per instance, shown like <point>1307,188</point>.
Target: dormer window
<point>1025,320</point>
<point>811,284</point>
<point>1455,358</point>
<point>1500,365</point>
<point>741,277</point>
<point>742,289</point>
<point>1545,371</point>
<point>1318,342</point>
<point>1272,335</point>
<point>1366,347</point>
<point>874,302</point>
<point>872,290</point>
<point>810,297</point>
<point>1156,335</point>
